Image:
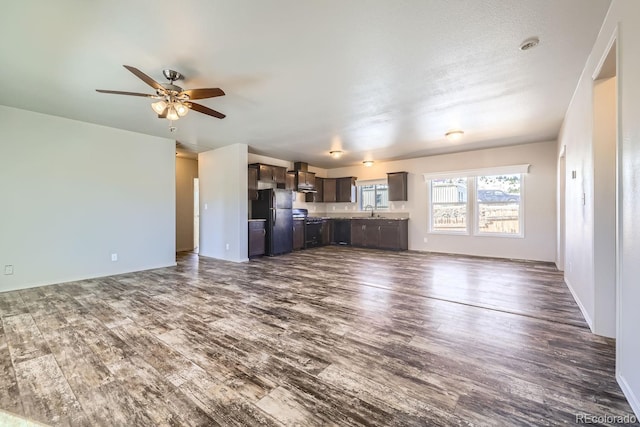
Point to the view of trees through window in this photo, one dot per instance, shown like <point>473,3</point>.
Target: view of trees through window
<point>376,196</point>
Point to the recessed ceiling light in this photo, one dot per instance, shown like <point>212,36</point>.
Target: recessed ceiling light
<point>454,135</point>
<point>336,154</point>
<point>530,43</point>
<point>368,163</point>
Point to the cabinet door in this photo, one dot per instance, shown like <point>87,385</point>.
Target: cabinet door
<point>279,174</point>
<point>327,231</point>
<point>290,181</point>
<point>329,190</point>
<point>346,190</point>
<point>253,183</point>
<point>357,232</point>
<point>397,182</point>
<point>310,178</point>
<point>257,234</point>
<point>298,234</point>
<point>371,234</point>
<point>389,235</point>
<point>265,172</point>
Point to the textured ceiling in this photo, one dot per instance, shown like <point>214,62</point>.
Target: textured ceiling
<point>378,79</point>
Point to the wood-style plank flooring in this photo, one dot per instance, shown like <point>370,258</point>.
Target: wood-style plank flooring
<point>328,336</point>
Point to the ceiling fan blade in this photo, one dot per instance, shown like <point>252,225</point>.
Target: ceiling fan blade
<point>206,110</point>
<point>119,92</point>
<point>142,76</point>
<point>203,93</point>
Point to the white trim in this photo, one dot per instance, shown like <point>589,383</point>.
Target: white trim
<point>633,400</point>
<point>496,170</point>
<point>585,314</point>
<point>379,181</point>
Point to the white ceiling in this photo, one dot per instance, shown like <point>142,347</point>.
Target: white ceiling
<point>378,79</point>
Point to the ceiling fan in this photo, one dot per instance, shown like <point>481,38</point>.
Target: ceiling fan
<point>173,102</point>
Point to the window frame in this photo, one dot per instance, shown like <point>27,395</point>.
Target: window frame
<point>473,209</point>
<point>476,222</point>
<point>468,212</point>
<point>375,207</point>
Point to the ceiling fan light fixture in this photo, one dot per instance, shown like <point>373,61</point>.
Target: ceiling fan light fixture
<point>172,114</point>
<point>454,135</point>
<point>159,106</point>
<point>181,109</point>
<point>336,154</point>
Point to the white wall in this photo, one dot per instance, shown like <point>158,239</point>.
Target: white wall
<point>223,203</point>
<point>186,171</point>
<point>623,16</point>
<point>73,193</point>
<point>539,199</point>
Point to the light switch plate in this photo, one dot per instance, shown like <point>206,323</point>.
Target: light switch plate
<point>114,257</point>
<point>8,270</point>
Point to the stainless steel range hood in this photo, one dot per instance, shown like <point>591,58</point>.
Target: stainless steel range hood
<point>305,181</point>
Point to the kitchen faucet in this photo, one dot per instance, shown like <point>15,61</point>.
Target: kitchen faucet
<point>372,209</point>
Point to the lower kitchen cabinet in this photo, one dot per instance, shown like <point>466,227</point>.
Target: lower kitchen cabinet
<point>257,233</point>
<point>298,234</point>
<point>326,232</point>
<point>380,233</point>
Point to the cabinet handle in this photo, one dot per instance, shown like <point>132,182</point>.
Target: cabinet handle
<point>264,231</point>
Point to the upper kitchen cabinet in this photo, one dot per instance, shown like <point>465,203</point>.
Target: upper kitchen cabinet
<point>290,181</point>
<point>397,182</point>
<point>253,182</point>
<point>305,180</point>
<point>329,190</point>
<point>346,189</point>
<point>270,173</point>
<point>318,196</point>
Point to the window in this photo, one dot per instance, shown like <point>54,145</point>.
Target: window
<point>449,205</point>
<point>376,196</point>
<point>498,204</point>
<point>482,202</point>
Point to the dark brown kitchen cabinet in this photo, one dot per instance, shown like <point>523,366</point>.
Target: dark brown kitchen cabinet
<point>298,234</point>
<point>257,235</point>
<point>253,183</point>
<point>290,181</point>
<point>327,231</point>
<point>380,233</point>
<point>341,231</point>
<point>329,190</point>
<point>346,189</point>
<point>318,196</point>
<point>271,173</point>
<point>397,182</point>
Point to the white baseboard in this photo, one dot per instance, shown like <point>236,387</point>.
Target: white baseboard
<point>633,400</point>
<point>585,314</point>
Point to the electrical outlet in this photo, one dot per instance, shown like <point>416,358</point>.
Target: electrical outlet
<point>8,270</point>
<point>426,240</point>
<point>570,267</point>
<point>206,206</point>
<point>226,246</point>
<point>114,257</point>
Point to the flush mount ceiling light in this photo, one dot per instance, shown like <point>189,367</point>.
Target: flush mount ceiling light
<point>454,135</point>
<point>530,43</point>
<point>336,154</point>
<point>368,163</point>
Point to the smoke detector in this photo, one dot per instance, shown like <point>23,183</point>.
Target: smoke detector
<point>530,43</point>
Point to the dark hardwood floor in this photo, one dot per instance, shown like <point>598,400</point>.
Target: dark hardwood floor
<point>328,336</point>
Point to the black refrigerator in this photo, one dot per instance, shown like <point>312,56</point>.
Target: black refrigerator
<point>274,205</point>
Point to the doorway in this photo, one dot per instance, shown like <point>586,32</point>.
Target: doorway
<point>196,215</point>
<point>605,190</point>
